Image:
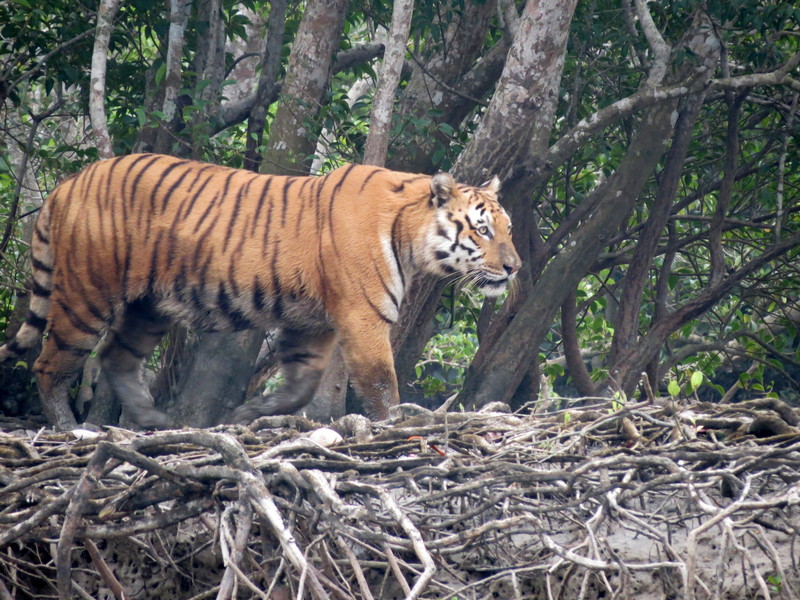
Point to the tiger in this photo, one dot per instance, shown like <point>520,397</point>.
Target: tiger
<point>129,245</point>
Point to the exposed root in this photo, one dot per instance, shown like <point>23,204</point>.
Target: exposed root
<point>642,500</point>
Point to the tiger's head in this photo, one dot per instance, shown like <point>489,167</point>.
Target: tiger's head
<point>471,235</point>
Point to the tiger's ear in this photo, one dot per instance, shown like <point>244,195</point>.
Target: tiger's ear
<point>493,185</point>
<point>442,185</point>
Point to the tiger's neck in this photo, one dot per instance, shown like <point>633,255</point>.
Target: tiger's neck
<point>411,237</point>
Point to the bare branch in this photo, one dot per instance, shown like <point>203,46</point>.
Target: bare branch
<point>559,496</point>
<point>661,50</point>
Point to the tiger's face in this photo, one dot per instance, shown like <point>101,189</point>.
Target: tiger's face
<point>471,235</point>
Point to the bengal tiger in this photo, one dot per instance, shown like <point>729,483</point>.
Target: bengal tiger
<point>131,244</point>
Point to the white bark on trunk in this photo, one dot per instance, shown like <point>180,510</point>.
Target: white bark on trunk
<point>360,88</point>
<point>172,81</point>
<point>383,103</point>
<point>307,76</point>
<point>520,116</point>
<point>97,94</point>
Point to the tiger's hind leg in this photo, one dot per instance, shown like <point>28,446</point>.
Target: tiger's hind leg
<point>304,357</point>
<point>131,341</point>
<point>70,340</point>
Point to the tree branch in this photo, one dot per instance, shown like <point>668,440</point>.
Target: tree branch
<point>592,125</point>
<point>235,112</point>
<point>661,50</point>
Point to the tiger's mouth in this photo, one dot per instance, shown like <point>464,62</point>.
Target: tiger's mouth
<point>491,287</point>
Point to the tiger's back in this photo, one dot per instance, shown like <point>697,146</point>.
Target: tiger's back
<point>139,241</point>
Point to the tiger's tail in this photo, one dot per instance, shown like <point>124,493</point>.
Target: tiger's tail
<point>30,333</point>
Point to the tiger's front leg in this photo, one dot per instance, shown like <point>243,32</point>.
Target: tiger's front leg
<point>370,363</point>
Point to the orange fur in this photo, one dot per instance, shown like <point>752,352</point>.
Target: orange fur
<point>136,242</point>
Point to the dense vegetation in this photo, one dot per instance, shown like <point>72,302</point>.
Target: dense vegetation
<point>650,161</point>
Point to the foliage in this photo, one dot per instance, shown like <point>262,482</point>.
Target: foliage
<point>748,338</point>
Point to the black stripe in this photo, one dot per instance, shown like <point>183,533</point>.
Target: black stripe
<point>298,357</point>
<point>302,198</point>
<point>197,300</point>
<point>236,317</point>
<point>121,343</point>
<point>259,295</point>
<point>135,186</point>
<point>320,183</point>
<point>267,227</point>
<point>285,198</point>
<point>14,348</point>
<point>377,310</point>
<point>111,166</point>
<point>76,321</point>
<point>237,205</point>
<point>153,271</point>
<point>232,277</point>
<point>386,289</point>
<point>179,285</point>
<point>63,346</point>
<point>36,321</point>
<point>174,186</point>
<point>96,312</point>
<point>396,235</point>
<point>186,209</point>
<point>207,211</point>
<point>336,189</point>
<point>368,177</point>
<point>126,267</point>
<point>220,197</point>
<point>39,290</point>
<point>42,237</point>
<point>261,201</point>
<point>277,307</point>
<point>197,172</point>
<point>459,228</point>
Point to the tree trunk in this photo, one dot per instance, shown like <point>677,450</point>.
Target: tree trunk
<point>448,81</point>
<point>165,135</point>
<point>290,144</point>
<point>97,95</point>
<point>383,102</point>
<point>501,361</point>
<point>209,65</point>
<point>267,83</point>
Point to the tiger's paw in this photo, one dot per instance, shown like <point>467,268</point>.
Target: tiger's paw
<point>149,418</point>
<point>280,403</point>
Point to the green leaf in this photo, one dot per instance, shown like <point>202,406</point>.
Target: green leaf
<point>696,380</point>
<point>161,73</point>
<point>673,388</point>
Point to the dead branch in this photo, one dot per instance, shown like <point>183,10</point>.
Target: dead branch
<point>607,499</point>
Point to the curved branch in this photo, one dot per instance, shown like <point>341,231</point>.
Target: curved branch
<point>660,48</point>
<point>236,112</point>
<point>645,97</point>
<point>42,61</point>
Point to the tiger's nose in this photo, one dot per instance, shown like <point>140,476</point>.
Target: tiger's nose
<point>511,260</point>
